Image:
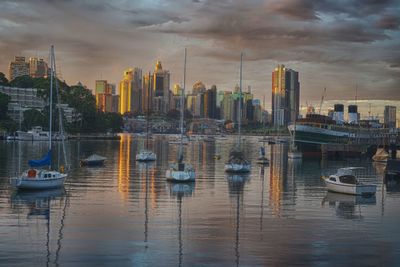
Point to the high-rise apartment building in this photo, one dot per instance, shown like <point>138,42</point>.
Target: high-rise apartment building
<point>38,68</point>
<point>390,117</point>
<point>210,103</point>
<point>105,98</point>
<point>18,67</point>
<point>285,96</point>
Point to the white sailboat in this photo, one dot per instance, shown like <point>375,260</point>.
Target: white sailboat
<point>146,154</point>
<point>181,171</point>
<point>237,163</point>
<point>35,177</point>
<point>293,152</point>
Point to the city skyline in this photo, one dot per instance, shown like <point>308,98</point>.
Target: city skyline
<point>337,45</point>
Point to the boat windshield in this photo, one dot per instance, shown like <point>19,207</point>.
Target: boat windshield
<point>348,179</point>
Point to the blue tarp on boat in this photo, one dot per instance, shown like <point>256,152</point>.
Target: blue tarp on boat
<point>45,161</point>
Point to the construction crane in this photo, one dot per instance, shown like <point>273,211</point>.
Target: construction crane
<point>322,100</point>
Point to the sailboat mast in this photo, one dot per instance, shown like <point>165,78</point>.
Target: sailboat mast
<point>182,106</point>
<point>240,100</point>
<point>51,93</point>
<point>148,113</point>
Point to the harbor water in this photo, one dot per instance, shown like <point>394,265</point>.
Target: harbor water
<point>126,214</point>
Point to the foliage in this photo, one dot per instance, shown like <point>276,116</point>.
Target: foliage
<point>33,117</point>
<point>3,79</point>
<point>4,100</point>
<point>24,81</point>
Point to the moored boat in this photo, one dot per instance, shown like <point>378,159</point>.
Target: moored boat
<point>344,181</point>
<point>93,160</point>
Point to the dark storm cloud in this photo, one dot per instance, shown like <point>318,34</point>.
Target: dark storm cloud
<point>352,38</point>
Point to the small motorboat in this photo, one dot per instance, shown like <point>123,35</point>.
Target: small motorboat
<point>93,160</point>
<point>344,181</point>
<point>146,155</point>
<point>381,155</point>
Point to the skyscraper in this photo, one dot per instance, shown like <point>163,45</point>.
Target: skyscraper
<point>161,90</point>
<point>390,117</point>
<point>130,90</point>
<point>210,103</point>
<point>285,96</point>
<point>18,67</point>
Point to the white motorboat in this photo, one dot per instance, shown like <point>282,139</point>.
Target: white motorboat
<point>181,171</point>
<point>344,181</point>
<point>35,178</point>
<point>146,155</point>
<point>237,163</point>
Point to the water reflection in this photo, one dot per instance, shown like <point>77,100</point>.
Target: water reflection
<point>278,177</point>
<point>124,165</point>
<point>348,206</point>
<point>236,183</point>
<point>180,190</point>
<point>39,207</point>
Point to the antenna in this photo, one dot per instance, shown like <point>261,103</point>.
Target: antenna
<point>355,99</point>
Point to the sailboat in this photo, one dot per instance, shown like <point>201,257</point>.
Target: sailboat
<point>146,154</point>
<point>262,159</point>
<point>181,171</point>
<point>36,177</point>
<point>293,152</point>
<point>237,162</point>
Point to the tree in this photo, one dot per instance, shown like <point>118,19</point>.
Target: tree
<point>174,114</point>
<point>3,79</point>
<point>33,117</point>
<point>24,81</point>
<point>4,100</point>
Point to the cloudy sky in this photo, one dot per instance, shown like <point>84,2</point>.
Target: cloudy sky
<point>335,44</point>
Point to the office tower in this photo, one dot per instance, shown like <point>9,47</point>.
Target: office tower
<point>390,117</point>
<point>176,90</point>
<point>147,93</point>
<point>161,90</point>
<point>99,91</point>
<point>18,67</point>
<point>228,106</point>
<point>130,90</point>
<point>37,68</point>
<point>210,103</point>
<point>285,96</point>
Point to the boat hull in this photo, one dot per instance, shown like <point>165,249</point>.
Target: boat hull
<point>38,183</point>
<point>356,189</point>
<point>295,155</point>
<point>92,163</point>
<point>237,168</point>
<point>180,176</point>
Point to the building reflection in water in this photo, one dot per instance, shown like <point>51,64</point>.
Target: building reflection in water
<point>236,185</point>
<point>278,172</point>
<point>124,165</point>
<point>348,206</point>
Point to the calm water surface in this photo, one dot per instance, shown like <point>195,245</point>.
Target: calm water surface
<point>126,214</point>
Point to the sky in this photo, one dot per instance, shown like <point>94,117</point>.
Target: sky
<point>337,44</point>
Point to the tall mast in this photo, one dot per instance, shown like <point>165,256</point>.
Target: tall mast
<point>182,105</point>
<point>240,100</point>
<point>51,92</point>
<point>148,112</point>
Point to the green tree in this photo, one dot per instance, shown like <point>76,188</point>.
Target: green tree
<point>33,117</point>
<point>4,100</point>
<point>24,81</point>
<point>3,79</point>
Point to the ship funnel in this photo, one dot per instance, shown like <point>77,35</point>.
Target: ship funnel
<point>338,113</point>
<point>353,114</point>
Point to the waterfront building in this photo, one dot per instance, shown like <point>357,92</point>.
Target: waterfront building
<point>390,117</point>
<point>18,67</point>
<point>26,97</point>
<point>38,68</point>
<point>104,95</point>
<point>161,89</point>
<point>130,90</point>
<point>285,96</point>
<point>147,93</point>
<point>176,91</point>
<point>228,106</point>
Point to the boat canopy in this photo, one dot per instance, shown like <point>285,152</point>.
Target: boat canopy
<point>44,161</point>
